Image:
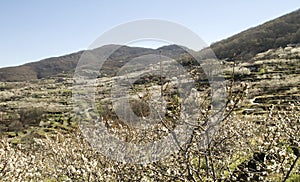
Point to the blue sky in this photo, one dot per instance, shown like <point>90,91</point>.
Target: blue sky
<point>33,29</point>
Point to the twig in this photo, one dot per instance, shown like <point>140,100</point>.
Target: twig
<point>291,168</point>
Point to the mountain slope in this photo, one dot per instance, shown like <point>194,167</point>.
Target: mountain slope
<point>68,63</point>
<point>270,35</point>
<point>40,69</point>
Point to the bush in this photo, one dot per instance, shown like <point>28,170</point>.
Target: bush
<point>31,116</point>
<point>140,108</point>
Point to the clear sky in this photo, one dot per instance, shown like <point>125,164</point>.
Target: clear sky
<point>35,29</point>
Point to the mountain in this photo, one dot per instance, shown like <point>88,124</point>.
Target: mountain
<point>276,33</point>
<point>271,35</point>
<point>40,69</point>
<point>67,63</point>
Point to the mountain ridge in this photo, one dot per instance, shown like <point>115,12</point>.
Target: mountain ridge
<point>67,63</point>
<point>272,34</point>
<point>243,46</point>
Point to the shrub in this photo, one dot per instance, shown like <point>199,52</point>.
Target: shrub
<point>31,116</point>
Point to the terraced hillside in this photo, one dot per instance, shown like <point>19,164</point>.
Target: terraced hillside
<point>273,78</point>
<point>35,107</point>
<point>36,119</point>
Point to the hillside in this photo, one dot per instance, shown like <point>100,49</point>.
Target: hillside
<point>279,32</point>
<point>271,35</point>
<point>40,69</point>
<point>257,141</point>
<point>67,63</point>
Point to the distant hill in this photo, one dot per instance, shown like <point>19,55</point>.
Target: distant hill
<point>67,63</point>
<point>270,35</point>
<point>40,69</point>
<point>245,45</point>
